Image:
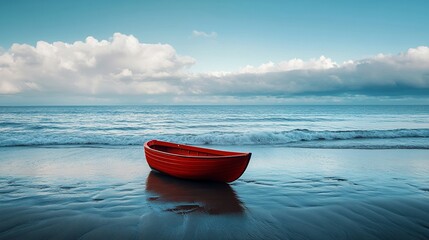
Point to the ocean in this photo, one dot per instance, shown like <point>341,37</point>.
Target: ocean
<point>373,127</point>
<point>316,172</point>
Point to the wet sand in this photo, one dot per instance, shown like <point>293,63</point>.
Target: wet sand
<point>286,193</point>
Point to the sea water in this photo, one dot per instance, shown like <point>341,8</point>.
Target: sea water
<point>316,172</point>
<point>375,127</point>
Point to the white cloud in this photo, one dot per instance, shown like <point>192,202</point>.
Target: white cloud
<point>121,65</point>
<point>385,75</point>
<point>294,64</point>
<point>125,69</point>
<point>196,33</point>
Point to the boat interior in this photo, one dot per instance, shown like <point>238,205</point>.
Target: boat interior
<point>183,151</point>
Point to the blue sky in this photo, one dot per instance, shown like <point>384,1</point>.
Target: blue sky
<point>235,34</point>
<point>249,32</point>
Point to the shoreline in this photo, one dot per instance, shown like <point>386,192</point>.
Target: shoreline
<point>284,193</point>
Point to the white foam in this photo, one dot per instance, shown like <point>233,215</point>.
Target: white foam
<point>293,137</point>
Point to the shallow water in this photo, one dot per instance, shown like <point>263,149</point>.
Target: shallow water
<point>286,193</point>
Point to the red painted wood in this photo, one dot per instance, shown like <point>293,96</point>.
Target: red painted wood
<point>190,162</point>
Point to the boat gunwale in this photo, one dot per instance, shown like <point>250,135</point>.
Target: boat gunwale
<point>171,144</point>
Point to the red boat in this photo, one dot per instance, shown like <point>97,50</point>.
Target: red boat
<point>195,163</point>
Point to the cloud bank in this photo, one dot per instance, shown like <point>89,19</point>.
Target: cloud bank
<point>123,68</point>
<point>121,65</point>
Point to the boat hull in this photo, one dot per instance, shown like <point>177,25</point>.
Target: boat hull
<point>195,163</point>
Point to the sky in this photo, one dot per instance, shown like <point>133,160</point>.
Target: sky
<point>214,52</point>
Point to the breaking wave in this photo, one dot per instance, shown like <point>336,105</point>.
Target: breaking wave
<point>298,137</point>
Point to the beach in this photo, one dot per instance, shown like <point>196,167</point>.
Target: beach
<point>101,192</point>
<point>316,172</point>
<point>214,120</point>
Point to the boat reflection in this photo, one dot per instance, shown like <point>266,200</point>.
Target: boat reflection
<point>184,196</point>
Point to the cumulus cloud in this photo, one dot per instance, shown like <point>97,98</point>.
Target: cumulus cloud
<point>120,65</point>
<point>196,33</point>
<point>124,68</point>
<point>294,64</point>
<point>385,75</point>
